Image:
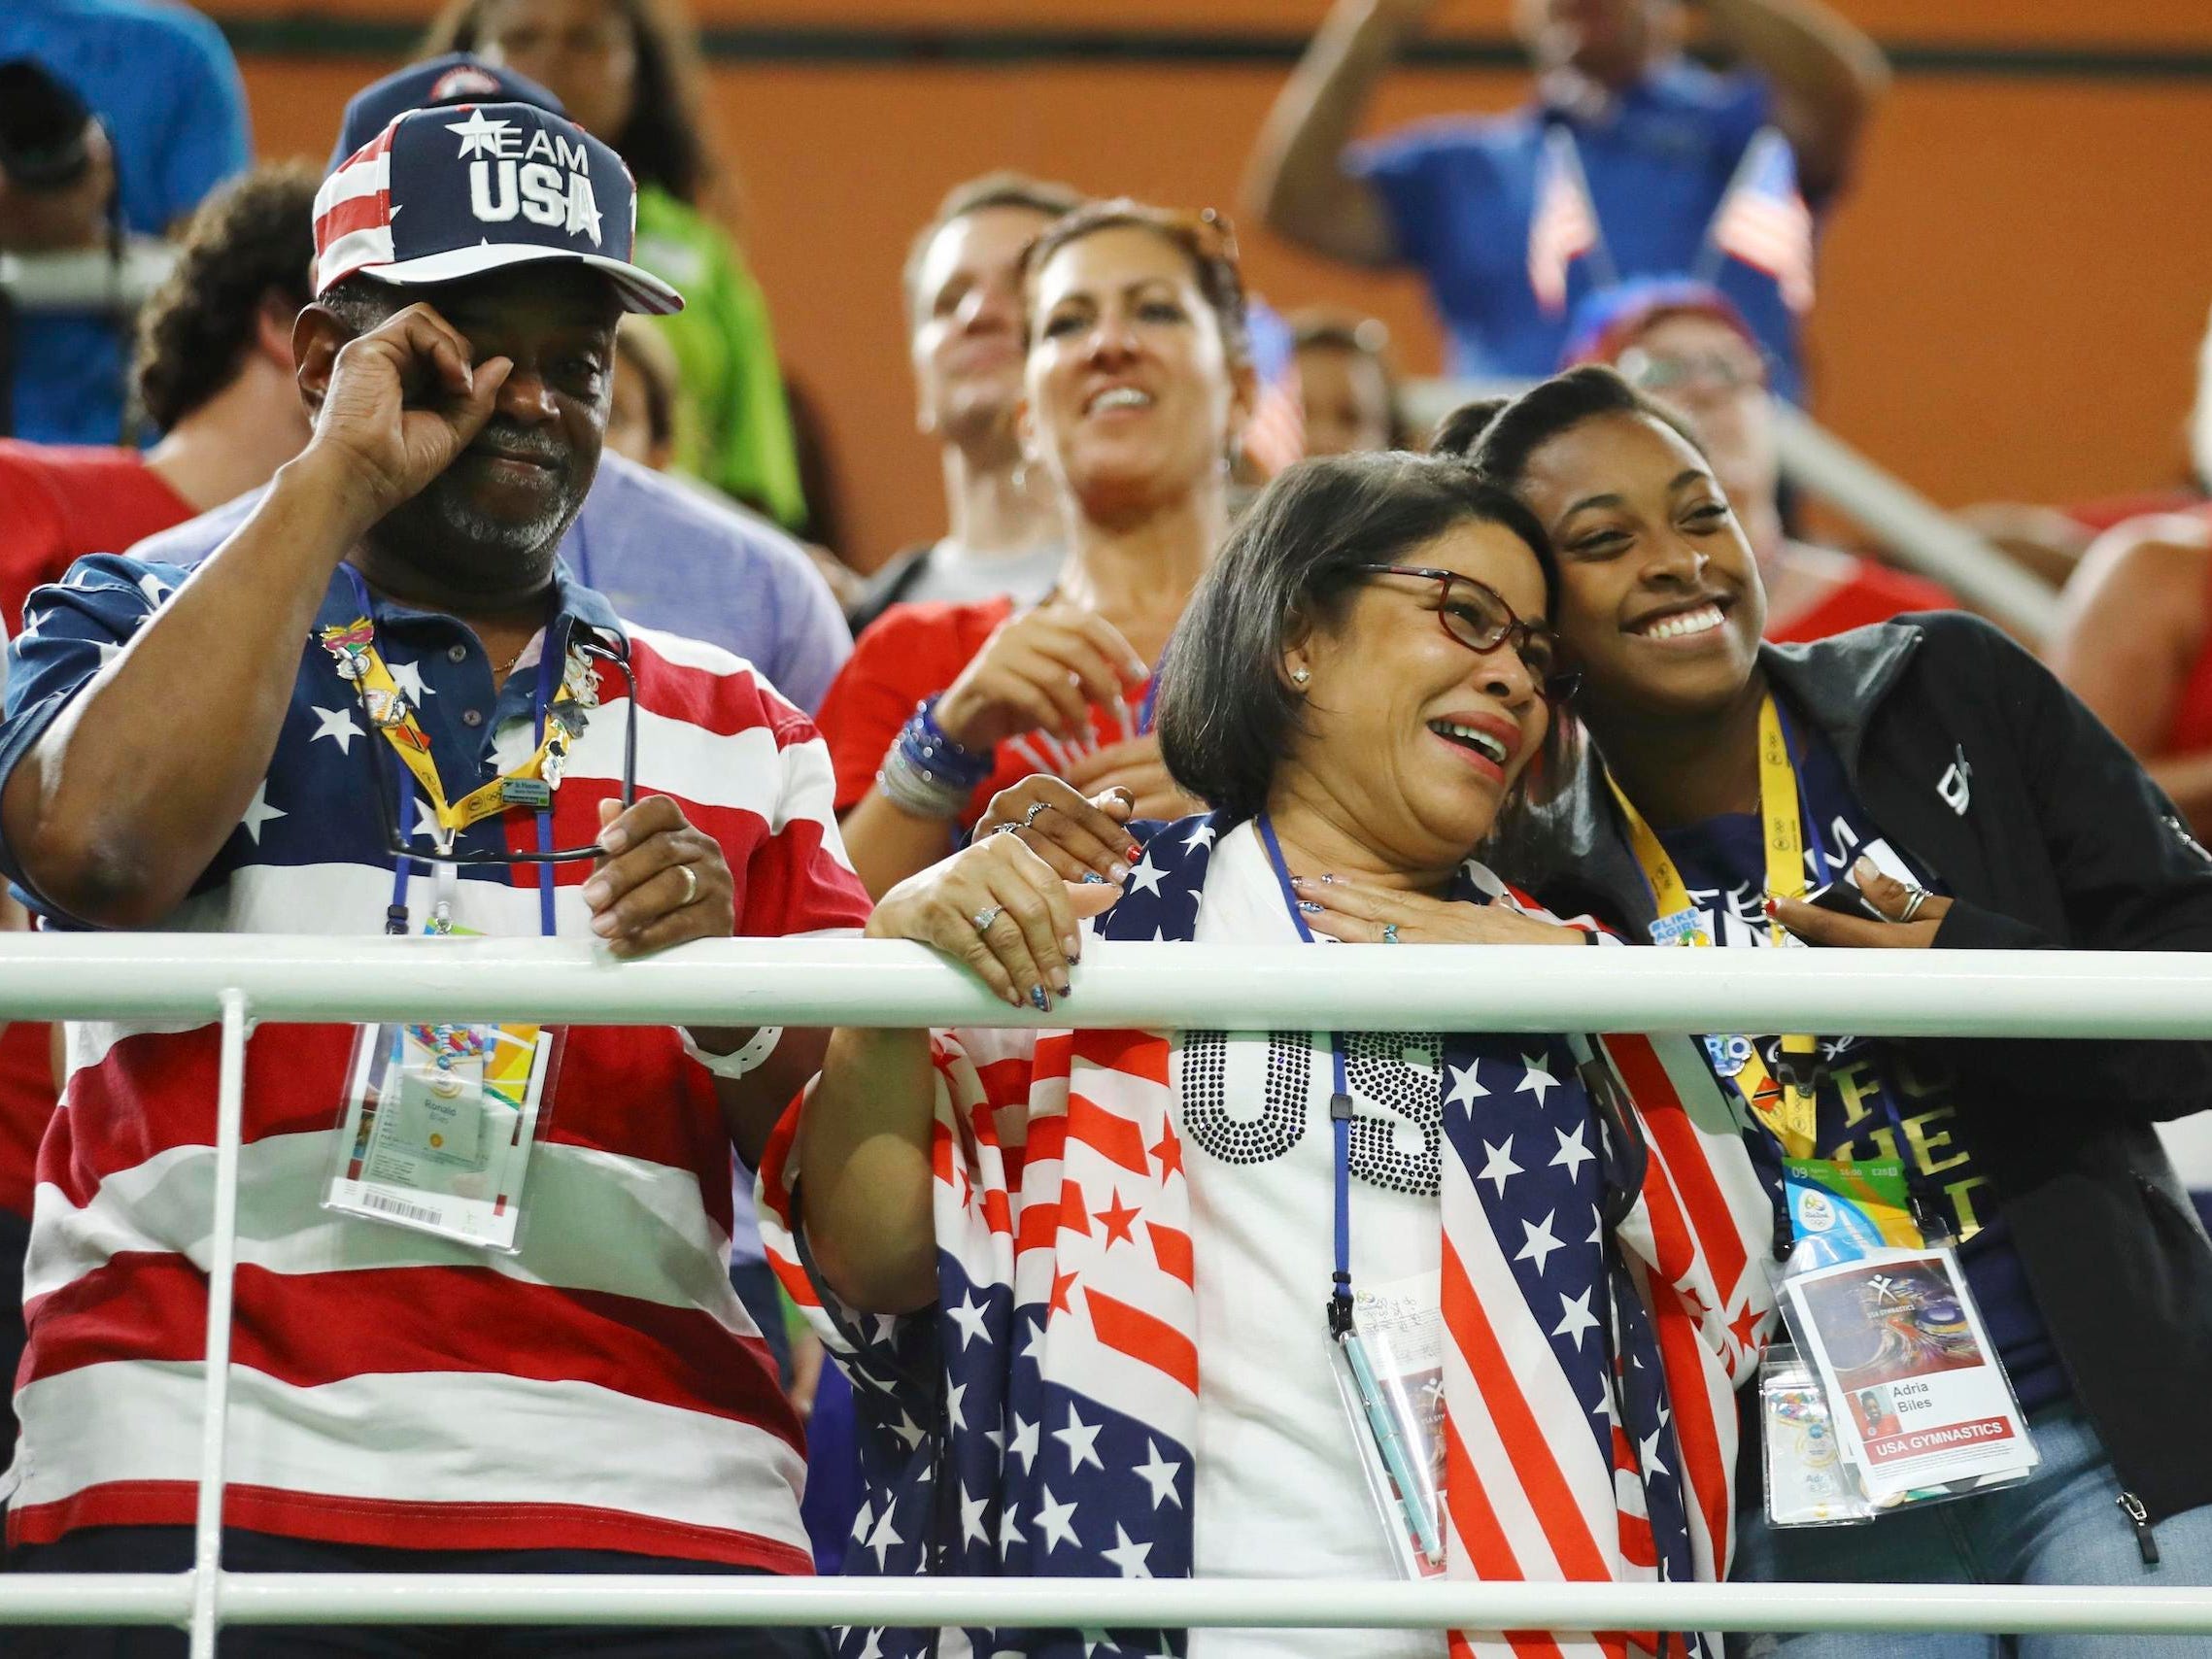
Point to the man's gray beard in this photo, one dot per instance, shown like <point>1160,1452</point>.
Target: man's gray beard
<point>499,549</point>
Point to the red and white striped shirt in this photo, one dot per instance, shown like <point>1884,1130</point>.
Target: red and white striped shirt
<point>602,1388</point>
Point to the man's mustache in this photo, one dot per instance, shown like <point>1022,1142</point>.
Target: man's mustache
<point>509,436</point>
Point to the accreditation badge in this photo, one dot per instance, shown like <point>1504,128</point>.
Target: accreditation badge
<point>1389,1373</point>
<point>438,1124</point>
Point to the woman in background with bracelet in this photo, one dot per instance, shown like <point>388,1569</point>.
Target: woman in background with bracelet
<point>1136,388</point>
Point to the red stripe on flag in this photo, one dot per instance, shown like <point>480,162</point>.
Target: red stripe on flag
<point>1489,1550</point>
<point>1108,1134</point>
<point>1130,1330</point>
<point>1688,1166</point>
<point>1134,1054</point>
<point>1706,1465</point>
<point>1170,1248</point>
<point>1548,1494</point>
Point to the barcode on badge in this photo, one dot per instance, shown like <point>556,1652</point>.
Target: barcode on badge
<point>400,1207</point>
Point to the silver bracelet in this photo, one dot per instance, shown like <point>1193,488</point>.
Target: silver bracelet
<point>738,1062</point>
<point>912,789</point>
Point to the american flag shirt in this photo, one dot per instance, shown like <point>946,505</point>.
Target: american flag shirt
<point>602,1388</point>
<point>1044,1417</point>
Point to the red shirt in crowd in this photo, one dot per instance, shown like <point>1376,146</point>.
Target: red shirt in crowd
<point>914,651</point>
<point>57,505</point>
<point>1872,592</point>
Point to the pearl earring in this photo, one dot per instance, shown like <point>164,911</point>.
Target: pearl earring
<point>1299,676</point>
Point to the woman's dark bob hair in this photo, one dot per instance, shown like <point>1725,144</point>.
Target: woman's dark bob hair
<point>1226,713</point>
<point>1499,434</point>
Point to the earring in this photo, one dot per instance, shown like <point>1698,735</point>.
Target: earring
<point>1299,676</point>
<point>1021,475</point>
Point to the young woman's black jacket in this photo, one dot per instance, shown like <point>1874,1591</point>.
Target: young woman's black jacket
<point>1974,760</point>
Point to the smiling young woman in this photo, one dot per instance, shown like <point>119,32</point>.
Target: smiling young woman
<point>1936,768</point>
<point>1135,387</point>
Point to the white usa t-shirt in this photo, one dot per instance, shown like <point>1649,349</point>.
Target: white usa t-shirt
<point>1280,1489</point>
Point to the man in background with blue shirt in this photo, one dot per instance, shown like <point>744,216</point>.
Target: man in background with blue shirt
<point>162,83</point>
<point>1657,137</point>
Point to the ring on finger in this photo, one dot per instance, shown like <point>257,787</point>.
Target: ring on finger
<point>1915,898</point>
<point>1037,810</point>
<point>691,885</point>
<point>984,917</point>
<point>1390,934</point>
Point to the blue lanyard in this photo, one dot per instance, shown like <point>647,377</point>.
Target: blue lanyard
<point>1340,1107</point>
<point>402,866</point>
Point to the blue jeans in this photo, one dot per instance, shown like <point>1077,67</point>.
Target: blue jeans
<point>2062,1526</point>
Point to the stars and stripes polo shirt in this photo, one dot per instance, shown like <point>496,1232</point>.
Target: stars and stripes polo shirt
<point>602,1388</point>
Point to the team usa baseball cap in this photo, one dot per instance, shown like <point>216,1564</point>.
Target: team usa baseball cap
<point>457,78</point>
<point>441,195</point>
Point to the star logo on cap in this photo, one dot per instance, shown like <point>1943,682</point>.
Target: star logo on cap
<point>479,136</point>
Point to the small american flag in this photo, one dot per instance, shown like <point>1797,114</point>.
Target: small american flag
<point>1563,225</point>
<point>1763,221</point>
<point>1277,433</point>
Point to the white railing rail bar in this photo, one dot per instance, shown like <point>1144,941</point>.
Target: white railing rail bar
<point>827,981</point>
<point>1923,535</point>
<point>706,1599</point>
<point>850,981</point>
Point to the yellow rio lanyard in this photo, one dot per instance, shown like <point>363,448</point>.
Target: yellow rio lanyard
<point>531,784</point>
<point>1785,1107</point>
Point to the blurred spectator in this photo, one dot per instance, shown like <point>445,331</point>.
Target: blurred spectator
<point>1346,386</point>
<point>641,417</point>
<point>1684,343</point>
<point>1137,385</point>
<point>1657,139</point>
<point>164,89</point>
<point>629,71</point>
<point>214,378</point>
<point>667,553</point>
<point>964,323</point>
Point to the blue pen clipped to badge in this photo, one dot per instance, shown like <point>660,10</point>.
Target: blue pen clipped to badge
<point>1383,1424</point>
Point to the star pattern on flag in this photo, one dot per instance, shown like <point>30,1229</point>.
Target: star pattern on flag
<point>1572,1152</point>
<point>1466,1086</point>
<point>1539,1243</point>
<point>1082,1440</point>
<point>1575,1317</point>
<point>337,725</point>
<point>1500,1167</point>
<point>258,812</point>
<point>1145,877</point>
<point>969,1316</point>
<point>1538,1081</point>
<point>408,677</point>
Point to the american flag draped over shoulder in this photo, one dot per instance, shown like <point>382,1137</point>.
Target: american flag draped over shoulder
<point>1039,1419</point>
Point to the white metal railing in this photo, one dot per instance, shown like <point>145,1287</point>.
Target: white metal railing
<point>1923,535</point>
<point>801,982</point>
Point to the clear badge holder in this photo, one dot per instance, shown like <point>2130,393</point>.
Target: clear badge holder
<point>437,1126</point>
<point>1917,1400</point>
<point>1808,1484</point>
<point>1390,1373</point>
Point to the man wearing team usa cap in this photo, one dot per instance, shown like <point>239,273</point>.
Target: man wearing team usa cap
<point>383,706</point>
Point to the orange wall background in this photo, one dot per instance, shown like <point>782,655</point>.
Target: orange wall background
<point>2011,296</point>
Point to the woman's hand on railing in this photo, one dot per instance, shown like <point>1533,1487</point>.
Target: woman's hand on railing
<point>1082,839</point>
<point>1373,915</point>
<point>1003,911</point>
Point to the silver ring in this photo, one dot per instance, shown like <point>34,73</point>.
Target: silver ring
<point>691,885</point>
<point>984,917</point>
<point>1390,934</point>
<point>1915,898</point>
<point>1037,810</point>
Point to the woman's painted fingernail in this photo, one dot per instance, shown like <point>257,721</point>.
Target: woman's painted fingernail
<point>604,924</point>
<point>1309,907</point>
<point>1768,904</point>
<point>595,893</point>
<point>1071,946</point>
<point>1093,878</point>
<point>1864,869</point>
<point>1133,853</point>
<point>1298,881</point>
<point>1119,871</point>
<point>1039,1001</point>
<point>1328,881</point>
<point>1066,990</point>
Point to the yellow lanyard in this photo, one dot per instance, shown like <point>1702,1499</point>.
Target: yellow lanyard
<point>531,783</point>
<point>1786,1107</point>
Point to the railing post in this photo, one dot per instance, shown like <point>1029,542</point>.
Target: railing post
<point>221,1275</point>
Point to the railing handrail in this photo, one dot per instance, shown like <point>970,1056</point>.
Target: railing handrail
<point>875,982</point>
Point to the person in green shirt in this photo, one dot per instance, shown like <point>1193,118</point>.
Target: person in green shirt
<point>627,71</point>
